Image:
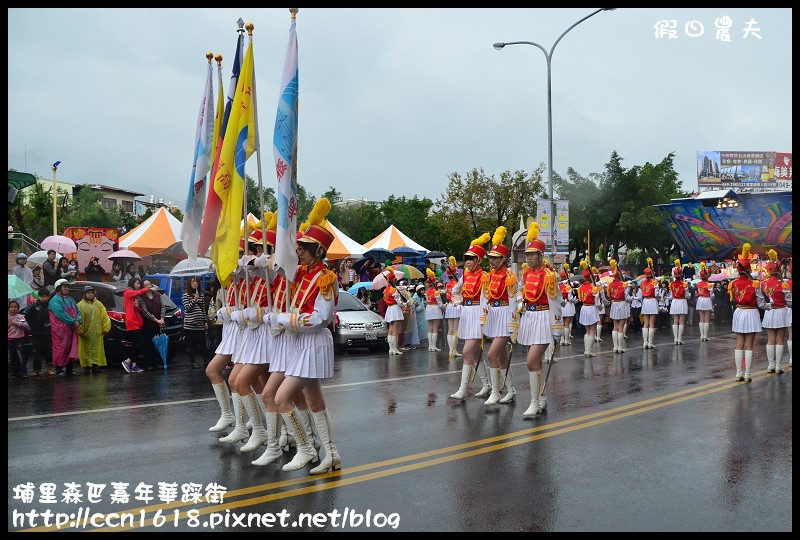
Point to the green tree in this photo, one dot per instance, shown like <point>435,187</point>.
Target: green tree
<point>253,198</point>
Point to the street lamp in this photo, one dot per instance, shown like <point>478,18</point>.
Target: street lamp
<point>549,57</point>
<point>55,166</point>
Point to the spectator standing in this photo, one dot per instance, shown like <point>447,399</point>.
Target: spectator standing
<point>117,273</point>
<point>152,309</point>
<point>50,268</point>
<point>688,272</point>
<point>38,278</point>
<point>24,273</point>
<point>38,316</point>
<point>95,323</point>
<point>195,322</point>
<point>17,326</point>
<point>65,319</point>
<point>64,272</point>
<point>134,322</point>
<point>636,304</point>
<point>721,303</point>
<point>348,275</point>
<point>131,272</point>
<point>94,271</point>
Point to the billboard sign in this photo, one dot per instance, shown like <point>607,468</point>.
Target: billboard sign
<point>746,171</point>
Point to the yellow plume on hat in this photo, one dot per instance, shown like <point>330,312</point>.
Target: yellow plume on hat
<point>773,255</point>
<point>430,273</point>
<point>272,224</point>
<point>319,212</point>
<point>266,219</point>
<point>533,232</point>
<point>566,269</point>
<point>677,263</point>
<point>702,266</point>
<point>746,250</point>
<point>613,264</point>
<point>452,261</point>
<point>499,235</point>
<point>482,239</point>
<point>584,265</point>
<point>523,266</point>
<point>650,262</point>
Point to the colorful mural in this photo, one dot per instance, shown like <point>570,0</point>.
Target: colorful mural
<point>705,232</point>
<point>91,242</point>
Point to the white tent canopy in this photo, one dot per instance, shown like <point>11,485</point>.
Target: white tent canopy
<point>342,246</point>
<point>154,235</point>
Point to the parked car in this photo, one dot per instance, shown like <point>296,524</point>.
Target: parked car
<point>356,326</point>
<point>173,285</point>
<point>115,341</point>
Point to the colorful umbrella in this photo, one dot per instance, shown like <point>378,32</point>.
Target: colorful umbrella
<point>61,244</point>
<point>409,271</point>
<point>358,286</point>
<point>161,341</point>
<point>17,287</point>
<point>380,281</point>
<point>717,277</point>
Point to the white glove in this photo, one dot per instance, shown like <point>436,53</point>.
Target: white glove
<point>236,316</point>
<point>274,324</point>
<point>769,306</point>
<point>223,314</point>
<point>252,317</point>
<point>262,261</point>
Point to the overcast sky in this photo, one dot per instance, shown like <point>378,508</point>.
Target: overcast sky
<point>394,100</point>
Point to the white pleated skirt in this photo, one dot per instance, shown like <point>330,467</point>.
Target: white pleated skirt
<point>256,346</point>
<point>226,343</point>
<point>620,310</point>
<point>534,328</point>
<point>679,306</point>
<point>588,316</point>
<point>650,306</point>
<point>452,311</point>
<point>433,312</point>
<point>568,310</point>
<point>279,350</point>
<point>777,318</point>
<point>497,322</point>
<point>394,313</point>
<point>746,321</point>
<point>469,326</point>
<point>704,304</point>
<point>312,355</point>
<point>238,342</point>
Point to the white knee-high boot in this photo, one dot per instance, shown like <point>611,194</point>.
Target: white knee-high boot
<point>778,358</point>
<point>651,334</point>
<point>305,449</point>
<point>226,418</point>
<point>748,365</point>
<point>533,409</point>
<point>486,384</point>
<point>615,340</point>
<point>259,435</point>
<point>494,397</point>
<point>680,333</point>
<point>770,358</point>
<point>587,345</point>
<point>789,347</point>
<point>511,392</point>
<point>432,336</point>
<point>675,334</point>
<point>645,335</point>
<point>466,375</point>
<point>737,359</point>
<point>273,451</point>
<point>239,432</point>
<point>322,424</point>
<point>598,331</point>
<point>621,341</point>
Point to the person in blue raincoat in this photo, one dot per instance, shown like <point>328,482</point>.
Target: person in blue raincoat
<point>419,309</point>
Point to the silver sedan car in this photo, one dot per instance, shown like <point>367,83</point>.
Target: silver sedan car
<point>356,326</point>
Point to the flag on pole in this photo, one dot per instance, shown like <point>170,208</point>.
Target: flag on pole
<point>195,201</point>
<point>213,203</point>
<point>284,143</point>
<point>217,137</point>
<point>237,147</point>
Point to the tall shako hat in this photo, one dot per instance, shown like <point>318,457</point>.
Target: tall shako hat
<point>743,260</point>
<point>703,270</point>
<point>272,226</point>
<point>586,273</point>
<point>499,249</point>
<point>316,231</point>
<point>476,246</point>
<point>615,270</point>
<point>533,244</point>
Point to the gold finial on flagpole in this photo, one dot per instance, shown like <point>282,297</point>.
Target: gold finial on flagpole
<point>209,56</point>
<point>218,58</point>
<point>294,11</point>
<point>249,27</point>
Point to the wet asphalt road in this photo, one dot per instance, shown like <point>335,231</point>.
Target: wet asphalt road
<point>650,440</point>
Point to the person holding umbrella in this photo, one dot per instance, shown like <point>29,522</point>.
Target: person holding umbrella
<point>467,292</point>
<point>537,286</point>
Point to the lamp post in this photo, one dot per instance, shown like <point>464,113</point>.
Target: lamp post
<point>549,57</point>
<point>55,222</point>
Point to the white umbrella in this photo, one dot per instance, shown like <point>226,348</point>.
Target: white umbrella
<point>38,257</point>
<point>200,265</point>
<point>125,254</point>
<point>380,280</point>
<point>60,243</point>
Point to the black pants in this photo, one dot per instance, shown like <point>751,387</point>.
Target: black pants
<point>195,341</point>
<point>42,351</point>
<point>137,339</point>
<point>635,312</point>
